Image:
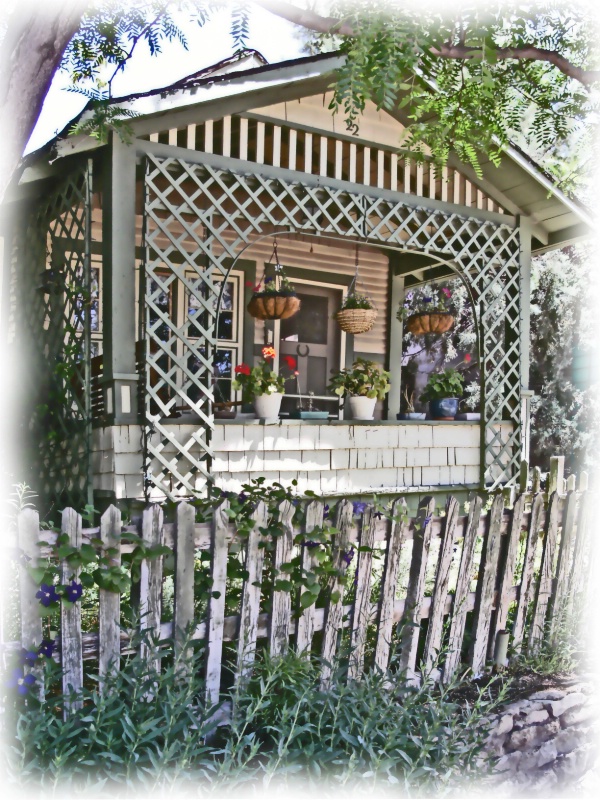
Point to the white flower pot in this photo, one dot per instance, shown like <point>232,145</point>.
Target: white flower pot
<point>362,407</point>
<point>266,406</point>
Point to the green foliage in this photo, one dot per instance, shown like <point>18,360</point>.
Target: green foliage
<point>261,379</point>
<point>448,383</point>
<point>427,299</point>
<point>564,320</point>
<point>356,300</point>
<point>363,379</point>
<point>470,106</point>
<point>153,733</point>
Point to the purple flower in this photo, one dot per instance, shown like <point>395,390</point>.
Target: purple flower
<point>325,511</point>
<point>427,299</point>
<point>269,280</point>
<point>310,544</point>
<point>21,682</point>
<point>347,556</point>
<point>73,591</point>
<point>358,508</point>
<point>378,515</point>
<point>47,595</point>
<point>28,657</point>
<point>427,519</point>
<point>47,647</point>
<point>242,497</point>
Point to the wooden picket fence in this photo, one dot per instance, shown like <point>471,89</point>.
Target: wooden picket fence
<point>493,566</point>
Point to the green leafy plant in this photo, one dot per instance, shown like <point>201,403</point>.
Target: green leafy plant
<point>363,379</point>
<point>356,300</point>
<point>448,383</point>
<point>261,379</point>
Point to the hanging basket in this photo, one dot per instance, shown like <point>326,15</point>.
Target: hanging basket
<point>356,320</point>
<point>420,324</point>
<point>273,305</point>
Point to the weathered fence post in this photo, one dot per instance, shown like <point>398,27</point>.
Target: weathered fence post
<point>544,582</point>
<point>523,477</point>
<point>361,612</point>
<point>536,480</point>
<point>216,602</point>
<point>556,476</point>
<point>506,571</point>
<point>281,607</point>
<point>184,585</point>
<point>411,619</point>
<point>151,574</point>
<point>334,606</point>
<point>109,628</point>
<point>459,607</point>
<point>440,587</point>
<point>526,589</point>
<point>398,527</point>
<point>255,556</point>
<point>305,626</point>
<point>485,586</point>
<point>70,619</point>
<point>560,587</point>
<point>28,531</point>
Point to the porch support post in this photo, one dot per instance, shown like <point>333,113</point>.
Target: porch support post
<point>524,317</point>
<point>120,377</point>
<point>395,343</point>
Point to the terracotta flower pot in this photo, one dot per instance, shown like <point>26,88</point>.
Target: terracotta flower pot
<point>273,305</point>
<point>420,324</point>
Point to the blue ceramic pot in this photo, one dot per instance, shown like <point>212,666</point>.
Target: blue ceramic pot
<point>444,408</point>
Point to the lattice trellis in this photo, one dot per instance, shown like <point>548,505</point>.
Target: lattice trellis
<point>54,279</point>
<point>199,217</point>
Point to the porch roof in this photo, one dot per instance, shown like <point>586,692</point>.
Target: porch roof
<point>238,85</point>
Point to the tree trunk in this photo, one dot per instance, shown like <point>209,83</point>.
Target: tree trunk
<point>35,40</point>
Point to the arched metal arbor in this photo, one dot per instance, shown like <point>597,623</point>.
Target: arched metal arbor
<point>199,215</point>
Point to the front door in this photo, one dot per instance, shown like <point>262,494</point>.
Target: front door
<point>314,340</point>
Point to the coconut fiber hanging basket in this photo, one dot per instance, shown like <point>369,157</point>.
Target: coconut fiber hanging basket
<point>356,320</point>
<point>420,324</point>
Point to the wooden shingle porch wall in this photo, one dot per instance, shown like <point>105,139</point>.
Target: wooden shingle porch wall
<point>338,156</point>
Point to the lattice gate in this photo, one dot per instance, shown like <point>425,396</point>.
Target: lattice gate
<point>199,217</point>
<point>53,318</point>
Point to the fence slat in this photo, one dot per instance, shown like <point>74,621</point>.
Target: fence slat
<point>561,582</point>
<point>70,618</point>
<point>485,586</point>
<point>526,589</point>
<point>523,476</point>
<point>28,527</point>
<point>577,573</point>
<point>411,620</point>
<point>397,530</point>
<point>151,573</point>
<point>556,476</point>
<point>250,607</point>
<point>361,613</point>
<point>459,607</point>
<point>216,602</point>
<point>440,589</point>
<point>506,572</point>
<point>334,609</point>
<point>281,614</point>
<point>306,623</point>
<point>109,630</point>
<point>183,613</point>
<point>544,582</point>
<point>536,480</point>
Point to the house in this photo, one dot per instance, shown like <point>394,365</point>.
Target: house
<point>133,264</point>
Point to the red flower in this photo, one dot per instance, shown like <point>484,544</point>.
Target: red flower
<point>290,361</point>
<point>467,358</point>
<point>268,353</point>
<point>242,369</point>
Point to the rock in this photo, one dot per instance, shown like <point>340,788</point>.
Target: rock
<point>505,725</point>
<point>548,694</point>
<point>570,701</point>
<point>536,716</point>
<point>509,763</point>
<point>578,716</point>
<point>531,737</point>
<point>568,740</point>
<point>546,754</point>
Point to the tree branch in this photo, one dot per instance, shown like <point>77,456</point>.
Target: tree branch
<point>331,25</point>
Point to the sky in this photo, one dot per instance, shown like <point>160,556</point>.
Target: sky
<point>273,37</point>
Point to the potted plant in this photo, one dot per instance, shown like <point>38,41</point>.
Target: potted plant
<point>364,383</point>
<point>356,314</point>
<point>409,408</point>
<point>428,309</point>
<point>443,393</point>
<point>276,298</point>
<point>261,386</point>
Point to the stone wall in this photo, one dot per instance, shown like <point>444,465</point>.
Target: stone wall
<point>547,741</point>
<point>327,458</point>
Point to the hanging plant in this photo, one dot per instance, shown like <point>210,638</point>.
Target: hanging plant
<point>276,298</point>
<point>427,311</point>
<point>356,314</point>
